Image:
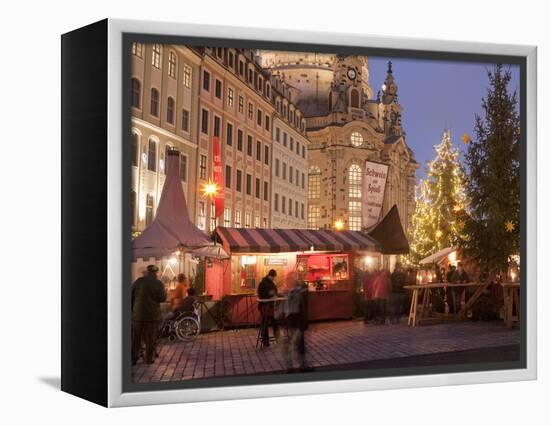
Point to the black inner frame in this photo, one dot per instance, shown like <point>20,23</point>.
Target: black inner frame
<point>126,368</point>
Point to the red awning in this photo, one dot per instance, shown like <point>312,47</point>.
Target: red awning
<point>258,240</point>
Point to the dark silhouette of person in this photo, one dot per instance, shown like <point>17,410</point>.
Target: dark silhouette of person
<point>148,293</point>
<point>267,290</point>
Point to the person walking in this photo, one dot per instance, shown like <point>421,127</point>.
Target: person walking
<point>267,290</point>
<point>296,314</point>
<point>147,294</point>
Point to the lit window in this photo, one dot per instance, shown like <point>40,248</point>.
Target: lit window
<point>355,181</point>
<point>256,221</point>
<point>230,97</point>
<point>202,216</point>
<point>155,58</point>
<point>314,215</point>
<point>314,182</point>
<point>167,149</point>
<point>237,218</point>
<point>137,49</point>
<point>172,64</point>
<point>227,217</point>
<point>247,220</point>
<point>354,218</point>
<point>187,76</point>
<point>356,139</point>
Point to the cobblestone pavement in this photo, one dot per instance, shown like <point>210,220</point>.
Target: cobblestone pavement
<point>233,352</point>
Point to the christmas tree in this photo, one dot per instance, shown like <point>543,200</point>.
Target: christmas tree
<point>438,220</point>
<point>492,185</point>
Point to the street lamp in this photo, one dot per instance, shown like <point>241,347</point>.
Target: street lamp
<point>339,225</point>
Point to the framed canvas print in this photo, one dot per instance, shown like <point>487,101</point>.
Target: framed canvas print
<point>251,212</point>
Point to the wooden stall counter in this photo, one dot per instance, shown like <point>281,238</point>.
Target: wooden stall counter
<point>330,304</point>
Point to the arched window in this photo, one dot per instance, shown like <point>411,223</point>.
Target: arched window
<point>314,182</point>
<point>152,156</point>
<point>172,64</point>
<point>136,93</point>
<point>170,110</point>
<point>133,197</point>
<point>135,149</point>
<point>355,178</point>
<point>354,98</point>
<point>149,209</point>
<point>356,139</point>
<point>154,102</point>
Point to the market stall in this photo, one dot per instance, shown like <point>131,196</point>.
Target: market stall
<point>323,259</point>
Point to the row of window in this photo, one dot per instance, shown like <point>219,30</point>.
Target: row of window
<point>260,153</point>
<point>156,61</point>
<point>246,71</point>
<point>283,206</point>
<point>262,119</point>
<point>288,142</point>
<point>155,105</point>
<point>293,174</point>
<point>291,115</point>
<point>151,156</point>
<point>247,183</point>
<point>247,219</point>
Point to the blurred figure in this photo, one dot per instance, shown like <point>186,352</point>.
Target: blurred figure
<point>381,289</point>
<point>267,290</point>
<point>397,297</point>
<point>180,291</point>
<point>187,304</point>
<point>297,323</point>
<point>147,294</point>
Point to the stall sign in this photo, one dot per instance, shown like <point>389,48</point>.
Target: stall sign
<point>275,261</point>
<point>374,185</point>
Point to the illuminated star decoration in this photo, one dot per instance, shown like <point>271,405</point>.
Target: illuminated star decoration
<point>339,224</point>
<point>466,138</point>
<point>509,225</point>
<point>438,233</point>
<point>210,189</point>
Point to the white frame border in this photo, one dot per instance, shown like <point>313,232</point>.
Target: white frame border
<point>115,395</point>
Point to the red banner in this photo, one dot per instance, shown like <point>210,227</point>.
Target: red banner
<point>218,176</point>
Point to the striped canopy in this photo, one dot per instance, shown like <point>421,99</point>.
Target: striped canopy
<point>257,240</point>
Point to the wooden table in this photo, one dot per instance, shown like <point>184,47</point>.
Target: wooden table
<point>511,300</point>
<point>417,288</point>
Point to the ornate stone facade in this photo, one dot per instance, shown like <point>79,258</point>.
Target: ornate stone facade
<point>347,126</point>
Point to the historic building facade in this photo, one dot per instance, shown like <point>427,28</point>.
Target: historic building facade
<point>164,115</point>
<point>235,106</point>
<point>346,126</point>
<point>289,181</point>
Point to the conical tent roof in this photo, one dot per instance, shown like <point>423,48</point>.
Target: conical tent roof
<point>389,233</point>
<point>171,229</point>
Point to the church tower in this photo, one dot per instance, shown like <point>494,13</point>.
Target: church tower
<point>390,109</point>
<point>350,89</point>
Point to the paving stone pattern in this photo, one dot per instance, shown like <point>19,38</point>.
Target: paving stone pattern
<point>234,352</point>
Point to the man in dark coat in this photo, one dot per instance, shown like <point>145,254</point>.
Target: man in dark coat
<point>267,290</point>
<point>147,294</point>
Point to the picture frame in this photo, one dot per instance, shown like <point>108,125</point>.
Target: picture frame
<point>96,247</point>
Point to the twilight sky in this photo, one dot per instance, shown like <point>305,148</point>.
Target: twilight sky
<point>436,95</point>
